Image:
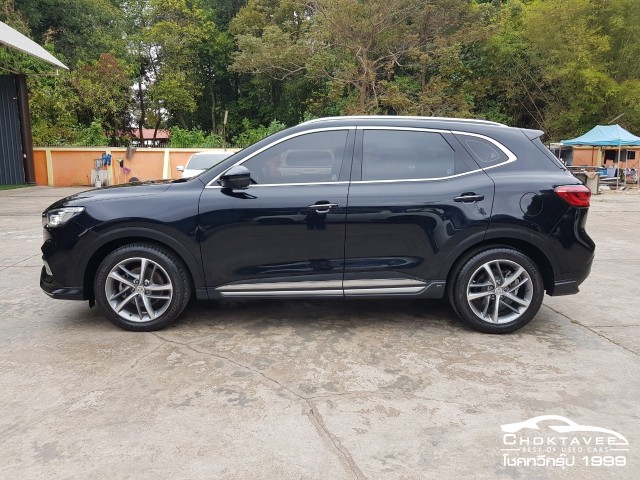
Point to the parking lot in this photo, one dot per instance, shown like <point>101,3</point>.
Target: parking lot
<point>310,389</point>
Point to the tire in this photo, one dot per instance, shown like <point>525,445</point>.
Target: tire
<point>497,290</point>
<point>126,302</point>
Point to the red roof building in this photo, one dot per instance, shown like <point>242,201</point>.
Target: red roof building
<point>161,137</point>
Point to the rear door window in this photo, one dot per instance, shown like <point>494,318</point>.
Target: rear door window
<point>407,155</point>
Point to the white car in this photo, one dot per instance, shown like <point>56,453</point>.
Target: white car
<point>201,161</point>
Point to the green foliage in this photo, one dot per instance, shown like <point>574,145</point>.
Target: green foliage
<point>253,134</point>
<point>379,56</point>
<point>558,65</point>
<point>12,17</point>
<point>53,103</point>
<point>174,91</point>
<point>182,138</point>
<point>176,30</point>
<point>92,136</point>
<point>80,29</point>
<point>103,88</point>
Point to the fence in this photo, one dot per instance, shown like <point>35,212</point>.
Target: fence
<point>75,166</point>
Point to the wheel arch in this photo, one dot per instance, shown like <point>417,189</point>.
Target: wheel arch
<point>113,240</point>
<point>540,257</point>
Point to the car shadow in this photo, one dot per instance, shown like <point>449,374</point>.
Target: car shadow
<point>319,314</point>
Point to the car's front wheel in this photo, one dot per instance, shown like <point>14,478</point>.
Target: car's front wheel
<point>142,287</point>
<point>498,290</point>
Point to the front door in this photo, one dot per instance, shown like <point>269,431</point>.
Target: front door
<point>283,235</point>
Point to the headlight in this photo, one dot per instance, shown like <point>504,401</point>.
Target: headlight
<point>60,216</point>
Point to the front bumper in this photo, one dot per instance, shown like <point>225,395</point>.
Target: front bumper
<point>62,275</point>
<point>47,283</point>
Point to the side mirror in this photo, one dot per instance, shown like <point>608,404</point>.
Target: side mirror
<point>236,177</point>
<point>180,168</point>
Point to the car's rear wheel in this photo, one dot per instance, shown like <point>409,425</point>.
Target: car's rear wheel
<point>498,290</point>
<point>142,287</point>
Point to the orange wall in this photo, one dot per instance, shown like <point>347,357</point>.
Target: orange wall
<point>593,156</point>
<point>587,156</point>
<point>178,158</point>
<point>144,165</point>
<point>73,166</point>
<point>40,162</point>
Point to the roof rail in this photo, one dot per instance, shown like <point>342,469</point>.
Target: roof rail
<point>403,117</point>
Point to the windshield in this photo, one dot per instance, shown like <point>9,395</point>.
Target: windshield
<point>202,161</point>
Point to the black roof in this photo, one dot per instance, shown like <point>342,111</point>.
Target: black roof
<point>505,134</point>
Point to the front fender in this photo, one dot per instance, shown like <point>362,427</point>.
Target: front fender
<point>194,264</point>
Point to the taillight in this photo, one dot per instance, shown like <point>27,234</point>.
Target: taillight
<point>574,195</point>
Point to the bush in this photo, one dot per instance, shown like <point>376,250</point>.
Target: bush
<point>182,138</point>
<point>61,135</point>
<point>252,134</point>
<point>92,136</point>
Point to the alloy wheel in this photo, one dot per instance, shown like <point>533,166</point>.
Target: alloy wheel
<point>500,291</point>
<point>138,289</point>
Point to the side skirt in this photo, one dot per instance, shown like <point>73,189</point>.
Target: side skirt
<point>331,289</point>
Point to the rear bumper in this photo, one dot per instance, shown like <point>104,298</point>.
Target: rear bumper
<point>49,286</point>
<point>569,286</point>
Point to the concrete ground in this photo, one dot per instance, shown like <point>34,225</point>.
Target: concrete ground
<point>310,390</point>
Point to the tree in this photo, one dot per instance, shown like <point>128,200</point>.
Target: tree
<point>178,54</point>
<point>558,65</point>
<point>376,55</point>
<point>104,91</point>
<point>80,29</point>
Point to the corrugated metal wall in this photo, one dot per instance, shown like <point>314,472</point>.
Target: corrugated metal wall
<point>11,165</point>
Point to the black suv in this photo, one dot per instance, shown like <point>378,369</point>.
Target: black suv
<point>410,207</point>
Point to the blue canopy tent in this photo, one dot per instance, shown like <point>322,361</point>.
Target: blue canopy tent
<point>606,136</point>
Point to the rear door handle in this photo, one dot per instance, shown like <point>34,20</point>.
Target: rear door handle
<point>322,207</point>
<point>468,198</point>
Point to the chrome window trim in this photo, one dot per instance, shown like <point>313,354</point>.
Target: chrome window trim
<point>438,179</point>
<point>287,184</point>
<point>280,140</point>
<point>510,155</point>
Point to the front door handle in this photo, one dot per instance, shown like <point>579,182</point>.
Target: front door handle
<point>322,207</point>
<point>468,198</point>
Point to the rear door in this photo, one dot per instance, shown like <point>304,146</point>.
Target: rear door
<point>415,197</point>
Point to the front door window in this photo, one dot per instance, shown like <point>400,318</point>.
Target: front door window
<point>312,158</point>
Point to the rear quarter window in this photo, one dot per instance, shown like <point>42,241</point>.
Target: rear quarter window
<point>484,152</point>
